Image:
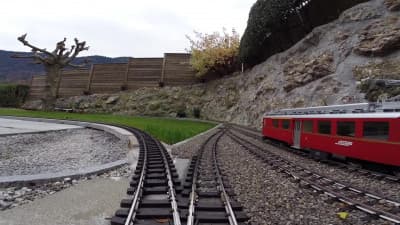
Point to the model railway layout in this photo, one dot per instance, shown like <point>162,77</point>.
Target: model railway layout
<point>365,131</point>
<point>375,205</point>
<point>153,187</point>
<point>205,197</point>
<point>158,196</point>
<point>210,199</point>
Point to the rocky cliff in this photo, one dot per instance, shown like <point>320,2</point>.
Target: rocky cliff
<point>321,69</point>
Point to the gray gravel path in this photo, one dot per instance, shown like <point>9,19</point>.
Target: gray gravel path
<point>57,151</point>
<point>90,202</point>
<point>371,184</point>
<point>15,196</point>
<point>271,198</point>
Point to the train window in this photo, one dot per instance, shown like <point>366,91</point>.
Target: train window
<point>376,130</point>
<point>308,126</point>
<point>275,123</point>
<point>346,128</point>
<point>285,124</point>
<point>324,127</point>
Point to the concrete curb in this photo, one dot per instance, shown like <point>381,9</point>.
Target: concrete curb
<point>119,132</point>
<point>123,134</point>
<point>29,180</point>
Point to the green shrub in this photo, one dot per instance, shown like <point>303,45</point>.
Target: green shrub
<point>13,95</point>
<point>276,25</point>
<point>214,54</point>
<point>196,113</point>
<point>181,113</point>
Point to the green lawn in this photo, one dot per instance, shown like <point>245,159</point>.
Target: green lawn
<point>167,130</point>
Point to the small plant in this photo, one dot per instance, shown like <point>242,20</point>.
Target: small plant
<point>196,113</point>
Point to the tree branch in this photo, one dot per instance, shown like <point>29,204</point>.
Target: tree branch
<point>79,46</point>
<point>60,47</point>
<point>34,48</point>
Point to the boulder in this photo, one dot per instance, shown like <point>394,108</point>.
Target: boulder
<point>393,5</point>
<point>359,13</point>
<point>301,71</point>
<point>112,99</point>
<point>33,105</point>
<point>379,38</point>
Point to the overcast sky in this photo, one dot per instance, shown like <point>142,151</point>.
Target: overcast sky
<point>145,28</point>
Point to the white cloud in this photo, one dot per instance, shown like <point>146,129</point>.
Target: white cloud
<point>118,27</point>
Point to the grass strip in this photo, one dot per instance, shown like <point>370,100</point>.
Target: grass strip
<point>168,130</point>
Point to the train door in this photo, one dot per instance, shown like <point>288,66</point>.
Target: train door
<point>296,134</point>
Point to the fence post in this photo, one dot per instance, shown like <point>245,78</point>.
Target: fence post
<point>125,84</point>
<point>161,84</point>
<point>89,84</point>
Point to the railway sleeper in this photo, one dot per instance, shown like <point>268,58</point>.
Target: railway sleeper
<point>186,192</point>
<point>213,217</point>
<point>150,182</point>
<point>156,166</point>
<point>146,213</point>
<point>216,204</point>
<point>155,190</point>
<point>146,203</point>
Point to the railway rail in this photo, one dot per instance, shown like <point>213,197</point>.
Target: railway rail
<point>157,195</point>
<point>154,187</point>
<point>209,196</point>
<point>350,167</point>
<point>374,205</point>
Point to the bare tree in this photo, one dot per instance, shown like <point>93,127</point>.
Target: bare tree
<point>53,62</point>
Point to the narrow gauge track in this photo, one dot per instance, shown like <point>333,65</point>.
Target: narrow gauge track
<point>374,205</point>
<point>209,197</point>
<point>153,187</point>
<point>350,167</point>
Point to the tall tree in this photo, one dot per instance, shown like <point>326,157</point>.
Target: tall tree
<point>53,62</point>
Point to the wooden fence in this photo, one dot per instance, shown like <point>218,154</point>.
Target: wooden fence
<point>172,70</point>
<point>73,82</point>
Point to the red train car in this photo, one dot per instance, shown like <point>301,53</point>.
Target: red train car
<point>359,131</point>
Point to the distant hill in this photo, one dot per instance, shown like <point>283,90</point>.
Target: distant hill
<point>12,69</point>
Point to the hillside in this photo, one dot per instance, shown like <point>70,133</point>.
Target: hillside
<point>323,68</point>
<point>12,69</point>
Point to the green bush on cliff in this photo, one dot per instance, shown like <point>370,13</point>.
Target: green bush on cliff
<point>13,95</point>
<point>276,25</point>
<point>214,54</point>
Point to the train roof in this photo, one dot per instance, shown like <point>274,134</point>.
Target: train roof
<point>390,115</point>
<point>358,110</point>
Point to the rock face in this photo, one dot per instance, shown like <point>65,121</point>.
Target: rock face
<point>302,71</point>
<point>321,69</point>
<point>380,37</point>
<point>378,69</point>
<point>393,5</point>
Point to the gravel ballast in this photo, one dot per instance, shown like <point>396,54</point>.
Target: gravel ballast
<point>269,197</point>
<point>190,148</point>
<point>56,151</point>
<point>382,187</point>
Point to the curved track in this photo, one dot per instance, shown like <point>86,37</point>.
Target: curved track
<point>153,187</point>
<point>158,197</point>
<point>374,205</point>
<point>354,168</point>
<point>209,197</point>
